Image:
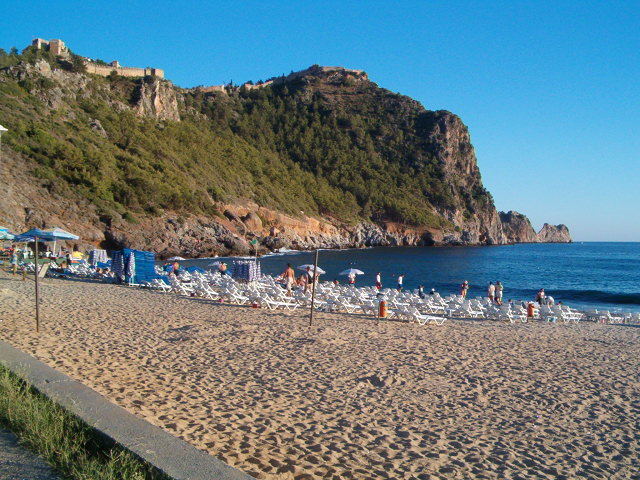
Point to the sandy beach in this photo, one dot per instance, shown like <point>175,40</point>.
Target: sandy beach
<point>347,398</point>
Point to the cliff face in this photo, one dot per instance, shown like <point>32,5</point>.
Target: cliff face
<point>319,158</point>
<point>517,228</point>
<point>155,98</point>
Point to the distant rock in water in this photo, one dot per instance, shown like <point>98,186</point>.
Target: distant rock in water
<point>517,228</point>
<point>554,234</point>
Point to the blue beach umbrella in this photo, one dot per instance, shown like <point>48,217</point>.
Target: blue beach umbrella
<point>31,235</point>
<point>36,235</point>
<point>61,234</point>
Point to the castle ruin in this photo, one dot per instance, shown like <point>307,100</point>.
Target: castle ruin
<point>55,46</point>
<point>105,70</point>
<point>58,47</point>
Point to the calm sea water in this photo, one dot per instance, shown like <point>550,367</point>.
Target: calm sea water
<point>585,275</point>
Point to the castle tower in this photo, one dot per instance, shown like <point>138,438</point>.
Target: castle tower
<point>57,47</point>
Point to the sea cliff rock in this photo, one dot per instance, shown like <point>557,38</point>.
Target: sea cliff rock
<point>517,228</point>
<point>554,234</point>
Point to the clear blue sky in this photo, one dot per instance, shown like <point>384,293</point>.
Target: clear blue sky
<point>550,90</point>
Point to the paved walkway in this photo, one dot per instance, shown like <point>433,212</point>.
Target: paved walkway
<point>18,463</point>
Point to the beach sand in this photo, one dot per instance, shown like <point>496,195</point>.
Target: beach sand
<point>347,398</point>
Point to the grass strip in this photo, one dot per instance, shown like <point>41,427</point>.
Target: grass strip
<point>71,446</point>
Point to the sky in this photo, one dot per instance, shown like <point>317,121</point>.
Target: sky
<point>550,91</point>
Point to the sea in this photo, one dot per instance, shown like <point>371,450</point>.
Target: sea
<point>585,275</point>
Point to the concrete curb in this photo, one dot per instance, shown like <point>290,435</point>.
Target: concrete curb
<point>170,455</point>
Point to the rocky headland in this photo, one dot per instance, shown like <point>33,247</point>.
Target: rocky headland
<point>95,155</point>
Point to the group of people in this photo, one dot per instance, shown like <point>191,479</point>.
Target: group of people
<point>304,280</point>
<point>494,291</point>
<point>64,256</point>
<point>543,299</point>
<point>400,281</point>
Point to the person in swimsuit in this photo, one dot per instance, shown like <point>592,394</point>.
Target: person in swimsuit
<point>289,277</point>
<point>464,288</point>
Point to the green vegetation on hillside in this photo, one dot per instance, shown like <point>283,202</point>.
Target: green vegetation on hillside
<point>293,148</point>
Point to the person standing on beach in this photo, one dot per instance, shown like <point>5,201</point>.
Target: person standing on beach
<point>352,278</point>
<point>14,259</point>
<point>499,289</point>
<point>308,278</point>
<point>421,291</point>
<point>400,281</point>
<point>464,288</point>
<point>378,281</point>
<point>289,277</point>
<point>491,292</point>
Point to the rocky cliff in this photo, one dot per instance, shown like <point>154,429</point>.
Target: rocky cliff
<point>318,158</point>
<point>517,228</point>
<point>554,234</point>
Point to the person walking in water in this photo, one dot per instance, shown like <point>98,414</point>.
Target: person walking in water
<point>289,277</point>
<point>464,288</point>
<point>499,289</point>
<point>378,281</point>
<point>400,281</point>
<point>491,292</point>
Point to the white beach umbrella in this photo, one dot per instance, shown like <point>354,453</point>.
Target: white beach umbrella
<point>214,264</point>
<point>351,271</point>
<point>308,265</point>
<point>60,234</point>
<point>176,259</point>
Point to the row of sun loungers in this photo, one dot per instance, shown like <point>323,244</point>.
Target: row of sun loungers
<point>402,306</point>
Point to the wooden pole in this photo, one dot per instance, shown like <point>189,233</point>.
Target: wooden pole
<point>37,289</point>
<point>313,287</point>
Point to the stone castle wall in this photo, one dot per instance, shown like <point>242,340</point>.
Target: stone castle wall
<point>106,70</point>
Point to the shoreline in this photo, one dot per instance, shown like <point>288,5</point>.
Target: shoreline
<point>585,299</point>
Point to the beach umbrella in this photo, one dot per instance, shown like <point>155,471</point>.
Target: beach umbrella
<point>60,234</point>
<point>176,259</point>
<point>312,267</point>
<point>6,235</point>
<point>31,235</point>
<point>131,267</point>
<point>351,271</point>
<point>36,235</point>
<point>214,264</point>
